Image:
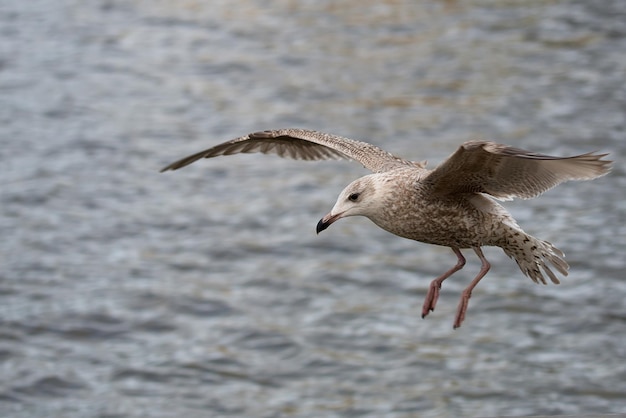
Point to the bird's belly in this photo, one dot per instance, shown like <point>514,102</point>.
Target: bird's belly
<point>451,225</point>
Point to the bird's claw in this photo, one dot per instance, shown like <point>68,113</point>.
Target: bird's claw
<point>431,298</point>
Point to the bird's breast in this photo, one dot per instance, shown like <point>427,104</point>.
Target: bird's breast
<point>448,222</point>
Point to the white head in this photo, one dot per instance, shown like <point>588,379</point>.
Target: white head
<point>359,198</point>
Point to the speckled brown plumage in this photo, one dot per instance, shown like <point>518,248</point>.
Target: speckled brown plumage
<point>452,205</point>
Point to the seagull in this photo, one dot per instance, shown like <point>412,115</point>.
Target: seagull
<point>453,205</point>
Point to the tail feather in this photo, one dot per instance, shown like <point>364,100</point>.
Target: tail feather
<point>533,255</point>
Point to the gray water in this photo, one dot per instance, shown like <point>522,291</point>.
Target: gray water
<point>205,292</point>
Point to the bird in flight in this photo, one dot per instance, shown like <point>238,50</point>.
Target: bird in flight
<point>453,205</point>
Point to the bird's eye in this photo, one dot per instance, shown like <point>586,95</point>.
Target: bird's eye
<point>353,197</point>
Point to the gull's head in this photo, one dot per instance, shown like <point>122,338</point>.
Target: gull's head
<point>359,198</point>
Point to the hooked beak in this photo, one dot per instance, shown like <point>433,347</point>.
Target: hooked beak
<point>326,221</point>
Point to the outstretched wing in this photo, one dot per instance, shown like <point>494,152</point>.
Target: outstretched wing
<point>505,172</point>
<point>302,144</point>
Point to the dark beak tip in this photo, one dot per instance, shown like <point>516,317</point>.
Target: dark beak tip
<point>321,225</point>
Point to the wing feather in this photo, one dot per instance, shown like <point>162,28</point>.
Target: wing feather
<point>302,144</point>
<point>506,172</point>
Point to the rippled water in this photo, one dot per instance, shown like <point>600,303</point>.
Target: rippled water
<point>205,292</point>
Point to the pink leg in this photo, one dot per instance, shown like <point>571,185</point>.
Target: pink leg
<point>435,285</point>
<point>467,293</point>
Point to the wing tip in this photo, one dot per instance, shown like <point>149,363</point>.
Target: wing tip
<point>596,165</point>
<point>174,166</point>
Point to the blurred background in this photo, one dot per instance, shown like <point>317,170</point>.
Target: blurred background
<point>205,292</point>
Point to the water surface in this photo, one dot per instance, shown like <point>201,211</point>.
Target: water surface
<point>205,292</point>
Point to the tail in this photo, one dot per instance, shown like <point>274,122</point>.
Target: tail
<point>533,255</point>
